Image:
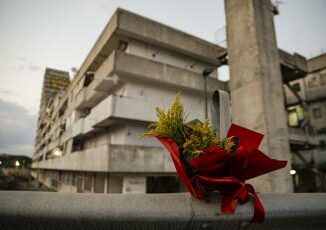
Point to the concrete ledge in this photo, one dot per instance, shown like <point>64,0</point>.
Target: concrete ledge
<point>39,210</point>
<point>317,63</point>
<point>112,158</point>
<point>139,159</point>
<point>94,159</point>
<point>134,67</point>
<point>150,31</point>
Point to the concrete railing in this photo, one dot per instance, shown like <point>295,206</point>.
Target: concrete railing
<point>39,210</point>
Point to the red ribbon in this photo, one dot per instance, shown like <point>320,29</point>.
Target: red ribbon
<point>239,193</point>
<point>226,172</point>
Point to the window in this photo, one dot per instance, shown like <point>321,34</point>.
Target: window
<point>322,144</point>
<point>162,184</point>
<point>88,182</point>
<point>312,82</point>
<point>317,113</point>
<point>99,182</point>
<point>293,119</point>
<point>89,77</point>
<point>79,183</point>
<point>123,45</point>
<point>77,145</point>
<point>73,179</point>
<point>296,116</point>
<point>296,87</point>
<point>323,79</point>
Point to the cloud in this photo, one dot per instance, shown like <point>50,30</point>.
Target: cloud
<point>17,129</point>
<point>21,58</point>
<point>25,65</point>
<point>30,67</point>
<point>5,91</point>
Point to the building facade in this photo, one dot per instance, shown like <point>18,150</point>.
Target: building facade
<point>89,135</point>
<point>306,109</point>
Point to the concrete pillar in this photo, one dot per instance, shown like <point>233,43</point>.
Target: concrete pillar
<point>256,84</point>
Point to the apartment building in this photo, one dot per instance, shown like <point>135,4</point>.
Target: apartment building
<point>89,134</point>
<point>306,108</point>
<point>89,130</point>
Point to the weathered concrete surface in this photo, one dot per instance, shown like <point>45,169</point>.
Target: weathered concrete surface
<point>39,210</point>
<point>294,60</point>
<point>113,158</point>
<point>256,83</point>
<point>153,32</point>
<point>317,63</point>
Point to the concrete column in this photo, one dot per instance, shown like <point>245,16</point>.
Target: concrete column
<point>256,84</point>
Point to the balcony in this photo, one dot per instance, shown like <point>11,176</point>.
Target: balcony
<point>120,67</point>
<point>112,158</point>
<point>299,139</point>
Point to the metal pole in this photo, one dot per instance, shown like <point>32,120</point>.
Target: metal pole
<point>206,72</point>
<point>205,91</point>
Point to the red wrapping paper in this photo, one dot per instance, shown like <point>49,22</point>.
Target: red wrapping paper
<point>217,170</point>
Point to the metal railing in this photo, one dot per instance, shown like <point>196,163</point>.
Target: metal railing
<point>41,210</point>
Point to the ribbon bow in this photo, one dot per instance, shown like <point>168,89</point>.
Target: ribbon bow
<point>217,170</point>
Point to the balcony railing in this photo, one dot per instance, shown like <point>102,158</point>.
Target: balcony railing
<point>40,210</point>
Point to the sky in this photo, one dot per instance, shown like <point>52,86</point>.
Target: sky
<point>35,34</point>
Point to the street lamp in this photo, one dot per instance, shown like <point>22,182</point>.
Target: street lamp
<point>206,72</point>
<point>57,152</point>
<point>293,172</point>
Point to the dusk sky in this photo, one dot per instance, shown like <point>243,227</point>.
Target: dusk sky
<point>37,34</point>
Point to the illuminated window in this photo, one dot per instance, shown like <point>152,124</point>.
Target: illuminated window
<point>296,115</point>
<point>293,118</point>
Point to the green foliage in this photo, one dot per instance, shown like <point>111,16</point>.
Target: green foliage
<point>193,138</point>
<point>201,137</point>
<point>171,123</point>
<point>230,144</point>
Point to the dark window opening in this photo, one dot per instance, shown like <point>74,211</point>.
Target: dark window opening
<point>323,79</point>
<point>123,45</point>
<point>84,113</point>
<point>296,87</point>
<point>62,128</point>
<point>63,108</point>
<point>322,144</point>
<point>77,145</point>
<point>89,77</point>
<point>163,184</point>
<point>99,182</point>
<point>88,182</point>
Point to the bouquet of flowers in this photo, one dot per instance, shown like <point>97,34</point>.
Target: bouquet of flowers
<point>206,163</point>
